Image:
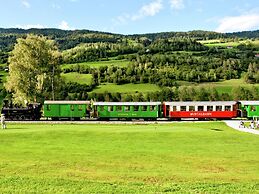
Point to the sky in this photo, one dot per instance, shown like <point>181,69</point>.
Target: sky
<point>132,16</point>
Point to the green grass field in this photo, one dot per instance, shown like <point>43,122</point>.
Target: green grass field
<point>216,42</point>
<point>76,77</point>
<point>155,158</point>
<point>221,86</point>
<point>97,64</point>
<point>126,88</point>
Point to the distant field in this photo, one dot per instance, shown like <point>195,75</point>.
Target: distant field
<point>228,85</point>
<point>126,88</point>
<point>76,77</point>
<point>97,64</point>
<point>222,86</point>
<point>155,158</point>
<point>217,42</point>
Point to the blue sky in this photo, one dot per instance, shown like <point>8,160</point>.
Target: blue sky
<point>132,16</point>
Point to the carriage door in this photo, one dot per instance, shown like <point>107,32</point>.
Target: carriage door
<point>167,110</point>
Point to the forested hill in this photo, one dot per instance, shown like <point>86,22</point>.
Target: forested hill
<point>67,39</point>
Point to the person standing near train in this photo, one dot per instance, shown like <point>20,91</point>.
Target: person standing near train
<point>3,121</point>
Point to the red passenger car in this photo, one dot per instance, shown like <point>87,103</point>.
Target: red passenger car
<point>200,110</point>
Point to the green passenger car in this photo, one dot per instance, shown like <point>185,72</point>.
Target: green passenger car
<point>73,110</point>
<point>250,109</point>
<point>127,110</point>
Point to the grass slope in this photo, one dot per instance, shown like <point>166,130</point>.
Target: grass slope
<point>179,157</point>
<point>221,86</point>
<point>126,88</point>
<point>97,64</point>
<point>77,77</point>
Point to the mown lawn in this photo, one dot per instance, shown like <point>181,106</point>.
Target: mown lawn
<point>156,158</point>
<point>77,77</point>
<point>126,88</point>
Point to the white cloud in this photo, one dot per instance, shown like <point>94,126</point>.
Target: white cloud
<point>177,4</point>
<point>148,10</point>
<point>26,4</point>
<point>28,26</point>
<point>243,22</point>
<point>64,26</point>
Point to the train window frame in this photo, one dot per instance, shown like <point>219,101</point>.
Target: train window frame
<point>144,108</point>
<point>174,108</point>
<point>227,108</point>
<point>48,107</point>
<point>118,108</point>
<point>200,108</point>
<point>219,108</point>
<point>183,108</point>
<point>135,108</point>
<point>110,108</point>
<point>210,108</point>
<point>80,107</point>
<point>152,108</point>
<point>253,108</point>
<point>191,108</point>
<point>72,107</point>
<point>127,108</point>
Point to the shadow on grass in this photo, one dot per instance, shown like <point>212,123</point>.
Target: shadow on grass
<point>216,129</point>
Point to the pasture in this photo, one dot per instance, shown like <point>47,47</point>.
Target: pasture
<point>206,157</point>
<point>126,88</point>
<point>225,86</point>
<point>98,64</point>
<point>77,77</point>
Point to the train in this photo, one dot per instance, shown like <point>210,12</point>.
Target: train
<point>87,110</point>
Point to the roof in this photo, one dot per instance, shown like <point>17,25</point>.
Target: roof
<point>66,102</point>
<point>126,103</point>
<point>201,103</point>
<point>249,102</point>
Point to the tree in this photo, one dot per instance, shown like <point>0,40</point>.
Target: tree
<point>34,69</point>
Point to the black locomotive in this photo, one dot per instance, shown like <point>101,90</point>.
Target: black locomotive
<point>30,112</point>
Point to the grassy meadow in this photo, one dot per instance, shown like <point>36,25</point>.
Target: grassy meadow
<point>218,43</point>
<point>126,88</point>
<point>77,77</point>
<point>225,86</point>
<point>141,158</point>
<point>97,64</point>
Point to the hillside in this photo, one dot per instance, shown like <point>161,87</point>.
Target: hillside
<point>106,66</point>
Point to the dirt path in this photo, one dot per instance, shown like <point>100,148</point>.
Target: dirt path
<point>235,125</point>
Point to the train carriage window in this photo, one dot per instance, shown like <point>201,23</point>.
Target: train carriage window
<point>183,108</point>
<point>253,108</point>
<point>72,108</point>
<point>174,108</point>
<point>136,108</point>
<point>119,108</point>
<point>200,108</point>
<point>126,108</point>
<point>191,108</point>
<point>80,107</point>
<point>218,108</point>
<point>144,108</point>
<point>48,107</point>
<point>110,108</point>
<point>101,108</point>
<point>227,108</point>
<point>209,108</point>
<point>152,108</point>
